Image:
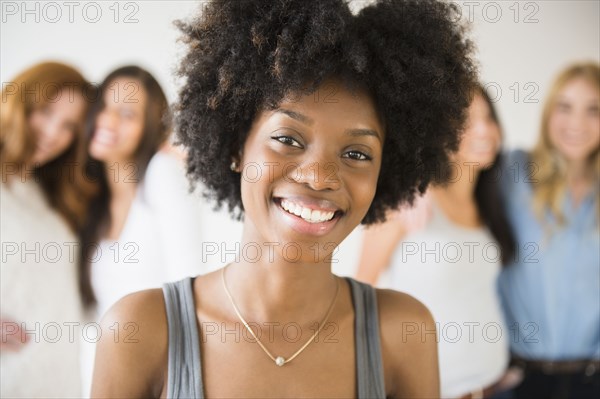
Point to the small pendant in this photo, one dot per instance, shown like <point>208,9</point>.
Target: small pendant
<point>279,361</point>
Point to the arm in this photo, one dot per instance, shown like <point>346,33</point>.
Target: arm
<point>378,244</point>
<point>13,337</point>
<point>409,346</point>
<point>131,355</point>
<point>380,240</point>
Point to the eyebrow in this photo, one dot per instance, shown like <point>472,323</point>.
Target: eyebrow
<point>295,115</point>
<point>308,121</point>
<point>363,132</point>
<point>568,99</point>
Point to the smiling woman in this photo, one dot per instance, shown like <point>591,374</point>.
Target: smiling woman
<point>44,197</point>
<point>305,120</point>
<point>553,202</point>
<point>320,165</point>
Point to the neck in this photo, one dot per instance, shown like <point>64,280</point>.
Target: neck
<point>463,188</point>
<point>26,172</point>
<point>274,288</point>
<point>577,172</point>
<point>120,179</point>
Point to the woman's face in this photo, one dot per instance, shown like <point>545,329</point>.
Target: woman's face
<point>310,170</point>
<point>120,124</point>
<point>481,139</point>
<point>574,125</point>
<point>54,125</point>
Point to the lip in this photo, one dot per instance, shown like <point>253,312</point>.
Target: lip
<point>311,203</point>
<point>43,147</point>
<point>104,137</point>
<point>302,226</point>
<point>573,139</point>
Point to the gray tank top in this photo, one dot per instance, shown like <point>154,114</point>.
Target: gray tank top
<point>185,361</point>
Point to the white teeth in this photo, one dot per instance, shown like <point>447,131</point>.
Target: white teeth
<point>105,136</point>
<point>316,215</point>
<point>312,216</point>
<point>306,213</point>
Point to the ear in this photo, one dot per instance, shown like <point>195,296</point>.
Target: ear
<point>236,162</point>
<point>234,165</point>
<point>238,159</point>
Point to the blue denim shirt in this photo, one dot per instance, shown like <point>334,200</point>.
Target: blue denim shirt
<point>551,290</point>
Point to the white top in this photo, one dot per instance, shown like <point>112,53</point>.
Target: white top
<point>38,278</point>
<point>160,242</point>
<point>453,270</point>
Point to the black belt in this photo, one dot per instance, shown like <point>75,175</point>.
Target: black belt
<point>587,366</point>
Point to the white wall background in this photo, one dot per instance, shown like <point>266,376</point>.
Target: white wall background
<point>522,45</point>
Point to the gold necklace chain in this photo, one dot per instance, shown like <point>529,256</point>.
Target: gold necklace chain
<point>280,360</point>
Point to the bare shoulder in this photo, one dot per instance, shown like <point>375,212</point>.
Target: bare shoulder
<point>408,344</point>
<point>134,337</point>
<point>404,321</point>
<point>397,307</point>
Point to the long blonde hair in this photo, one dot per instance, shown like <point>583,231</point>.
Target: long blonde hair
<point>551,167</point>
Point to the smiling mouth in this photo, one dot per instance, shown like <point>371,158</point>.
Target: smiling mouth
<point>309,215</point>
<point>576,139</point>
<point>43,147</point>
<point>104,136</point>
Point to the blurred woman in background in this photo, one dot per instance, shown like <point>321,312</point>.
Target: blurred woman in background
<point>447,252</point>
<point>143,200</point>
<point>44,200</point>
<point>551,291</point>
<point>144,226</point>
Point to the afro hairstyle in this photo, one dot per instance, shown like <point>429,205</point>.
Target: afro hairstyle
<point>243,56</point>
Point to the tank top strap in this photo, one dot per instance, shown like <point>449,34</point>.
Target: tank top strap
<point>184,368</point>
<point>369,364</point>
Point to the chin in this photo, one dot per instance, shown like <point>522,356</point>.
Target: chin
<point>481,161</point>
<point>99,154</point>
<point>575,155</point>
<point>42,159</point>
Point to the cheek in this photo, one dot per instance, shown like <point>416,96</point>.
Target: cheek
<point>594,127</point>
<point>554,126</point>
<point>66,139</point>
<point>362,189</point>
<point>63,143</point>
<point>131,133</point>
<point>495,133</point>
<point>36,121</point>
<point>595,139</point>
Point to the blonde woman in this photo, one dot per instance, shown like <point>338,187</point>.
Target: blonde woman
<point>44,199</point>
<point>551,290</point>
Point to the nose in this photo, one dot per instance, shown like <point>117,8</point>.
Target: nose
<point>106,119</point>
<point>318,173</point>
<point>576,121</point>
<point>50,130</point>
<point>483,129</point>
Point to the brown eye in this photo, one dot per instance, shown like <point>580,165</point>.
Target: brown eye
<point>45,110</point>
<point>357,156</point>
<point>287,140</point>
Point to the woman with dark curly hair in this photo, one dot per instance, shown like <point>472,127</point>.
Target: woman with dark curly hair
<point>305,120</point>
